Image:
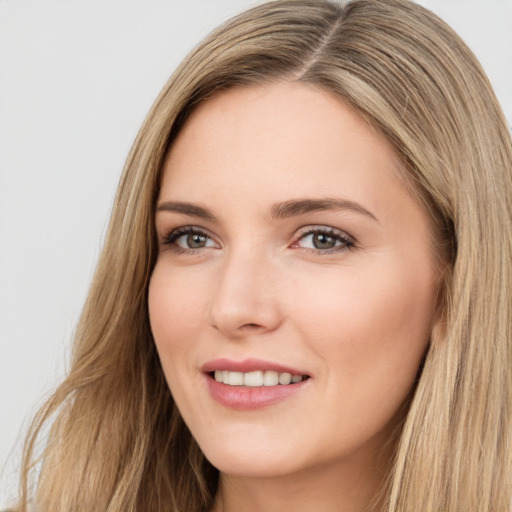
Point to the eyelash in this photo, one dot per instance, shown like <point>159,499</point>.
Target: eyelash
<point>347,242</point>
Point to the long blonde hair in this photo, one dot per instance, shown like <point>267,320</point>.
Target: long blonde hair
<point>116,440</point>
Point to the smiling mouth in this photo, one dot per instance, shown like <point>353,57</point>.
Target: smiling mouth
<point>257,378</point>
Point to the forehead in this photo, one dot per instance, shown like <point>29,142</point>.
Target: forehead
<point>277,132</point>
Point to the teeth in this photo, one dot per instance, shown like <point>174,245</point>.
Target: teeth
<point>270,378</point>
<point>257,378</point>
<point>235,378</point>
<point>253,379</point>
<point>285,378</point>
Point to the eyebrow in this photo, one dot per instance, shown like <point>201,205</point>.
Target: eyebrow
<point>186,208</point>
<point>286,209</point>
<point>296,207</point>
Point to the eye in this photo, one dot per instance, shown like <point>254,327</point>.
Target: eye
<point>323,239</point>
<point>189,238</point>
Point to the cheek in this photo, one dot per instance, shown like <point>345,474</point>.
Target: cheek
<point>370,328</point>
<point>176,306</point>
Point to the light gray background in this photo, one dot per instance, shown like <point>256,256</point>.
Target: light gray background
<point>76,81</point>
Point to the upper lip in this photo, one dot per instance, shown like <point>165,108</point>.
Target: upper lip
<point>248,365</point>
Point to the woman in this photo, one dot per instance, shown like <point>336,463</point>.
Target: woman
<point>304,294</point>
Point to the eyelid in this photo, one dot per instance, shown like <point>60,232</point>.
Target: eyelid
<point>324,228</point>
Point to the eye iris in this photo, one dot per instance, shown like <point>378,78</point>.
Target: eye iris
<point>323,241</point>
<point>196,240</point>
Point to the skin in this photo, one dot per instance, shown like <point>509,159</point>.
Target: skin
<point>356,319</point>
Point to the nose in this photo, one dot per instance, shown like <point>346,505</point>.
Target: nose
<point>246,299</point>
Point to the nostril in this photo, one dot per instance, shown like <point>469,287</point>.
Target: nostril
<point>251,326</point>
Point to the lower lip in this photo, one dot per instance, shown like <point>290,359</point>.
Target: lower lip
<point>250,398</point>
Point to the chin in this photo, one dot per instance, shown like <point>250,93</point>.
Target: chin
<point>250,467</point>
<point>251,459</point>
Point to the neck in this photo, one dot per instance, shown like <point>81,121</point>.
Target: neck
<point>336,487</point>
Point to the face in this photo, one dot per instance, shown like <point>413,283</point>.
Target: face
<point>293,295</point>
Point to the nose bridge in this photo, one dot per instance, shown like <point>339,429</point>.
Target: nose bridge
<point>246,296</point>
